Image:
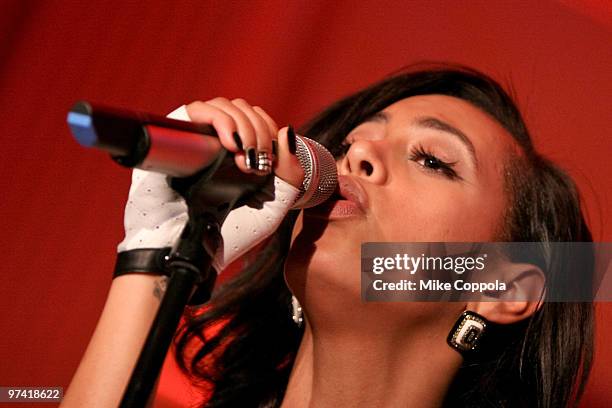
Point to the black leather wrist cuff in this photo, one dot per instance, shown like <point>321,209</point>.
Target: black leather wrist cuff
<point>144,260</point>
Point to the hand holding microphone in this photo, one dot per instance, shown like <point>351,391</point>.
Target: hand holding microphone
<point>155,213</point>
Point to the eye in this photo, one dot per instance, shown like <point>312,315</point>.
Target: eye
<point>432,163</point>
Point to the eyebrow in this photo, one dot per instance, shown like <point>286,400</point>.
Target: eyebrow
<point>430,122</point>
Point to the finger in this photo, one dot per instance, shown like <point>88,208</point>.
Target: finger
<point>246,131</point>
<point>272,127</point>
<point>262,131</point>
<point>287,165</point>
<point>240,160</point>
<point>263,134</point>
<point>224,124</point>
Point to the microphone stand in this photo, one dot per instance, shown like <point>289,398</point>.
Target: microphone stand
<point>210,196</point>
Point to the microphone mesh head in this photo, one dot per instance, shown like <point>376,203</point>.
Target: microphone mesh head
<point>320,173</point>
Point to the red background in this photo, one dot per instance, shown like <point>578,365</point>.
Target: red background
<point>61,206</point>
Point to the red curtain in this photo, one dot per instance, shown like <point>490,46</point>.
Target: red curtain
<point>62,205</point>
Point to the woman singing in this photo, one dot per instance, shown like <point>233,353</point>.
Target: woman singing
<point>439,155</point>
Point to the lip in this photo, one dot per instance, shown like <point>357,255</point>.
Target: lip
<point>350,200</point>
<point>353,192</point>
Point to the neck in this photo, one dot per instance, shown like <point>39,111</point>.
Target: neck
<point>370,369</point>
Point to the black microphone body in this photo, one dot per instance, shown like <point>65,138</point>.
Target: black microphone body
<point>181,148</point>
<point>150,142</point>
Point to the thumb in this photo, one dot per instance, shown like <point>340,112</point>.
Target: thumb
<point>287,166</point>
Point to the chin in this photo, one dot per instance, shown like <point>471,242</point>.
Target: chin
<point>315,268</point>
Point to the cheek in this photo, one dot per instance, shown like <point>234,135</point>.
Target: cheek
<point>439,213</point>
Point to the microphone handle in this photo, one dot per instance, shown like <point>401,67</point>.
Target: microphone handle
<point>150,142</point>
<point>181,148</point>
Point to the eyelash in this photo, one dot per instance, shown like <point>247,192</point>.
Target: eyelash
<point>419,152</point>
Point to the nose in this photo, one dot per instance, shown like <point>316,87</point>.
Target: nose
<point>364,159</point>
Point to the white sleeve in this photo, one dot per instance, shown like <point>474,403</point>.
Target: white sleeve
<point>246,226</point>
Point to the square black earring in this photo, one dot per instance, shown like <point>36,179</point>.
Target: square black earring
<point>467,332</point>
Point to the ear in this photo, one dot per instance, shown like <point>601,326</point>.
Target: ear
<point>521,299</point>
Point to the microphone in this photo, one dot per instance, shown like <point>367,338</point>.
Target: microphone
<point>181,148</point>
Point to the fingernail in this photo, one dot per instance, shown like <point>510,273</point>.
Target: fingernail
<point>274,147</point>
<point>251,158</point>
<point>291,139</point>
<point>264,164</point>
<point>237,140</point>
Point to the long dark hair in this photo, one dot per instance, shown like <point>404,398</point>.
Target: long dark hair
<point>242,344</point>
